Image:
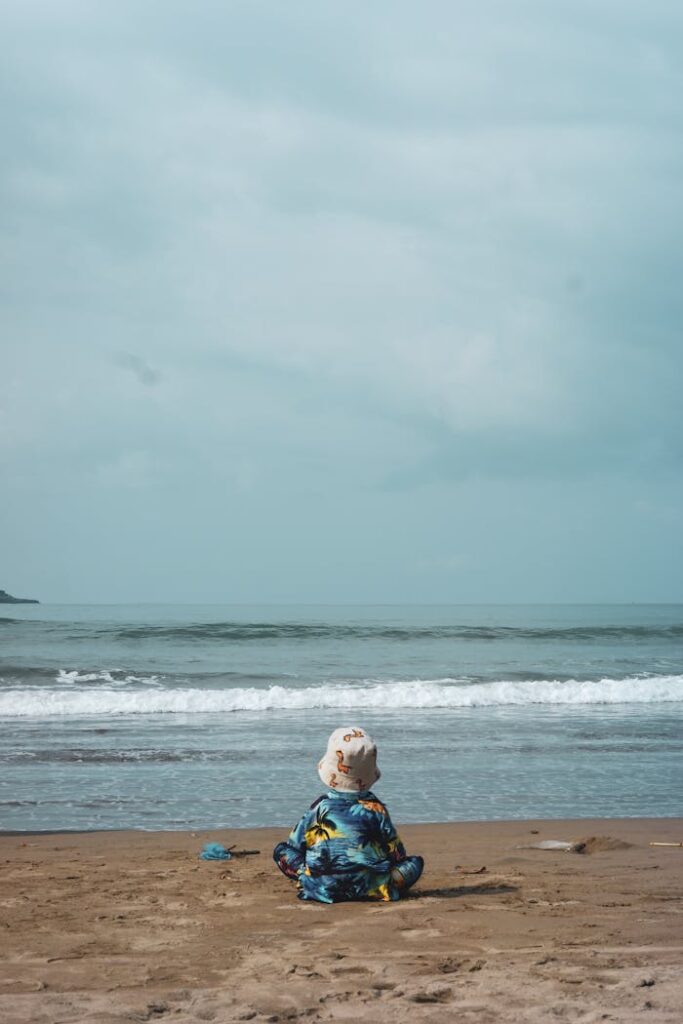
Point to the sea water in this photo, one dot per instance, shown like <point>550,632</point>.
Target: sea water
<point>193,717</point>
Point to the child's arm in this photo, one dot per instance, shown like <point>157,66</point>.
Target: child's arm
<point>290,856</point>
<point>391,841</point>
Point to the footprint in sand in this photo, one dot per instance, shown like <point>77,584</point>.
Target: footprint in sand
<point>431,994</point>
<point>349,969</point>
<point>419,933</point>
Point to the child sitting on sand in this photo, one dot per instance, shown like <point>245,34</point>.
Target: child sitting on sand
<point>346,847</point>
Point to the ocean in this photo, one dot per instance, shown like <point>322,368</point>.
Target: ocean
<point>197,717</point>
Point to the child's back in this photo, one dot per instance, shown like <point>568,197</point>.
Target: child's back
<point>346,847</point>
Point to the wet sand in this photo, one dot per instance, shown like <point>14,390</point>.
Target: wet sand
<point>112,927</point>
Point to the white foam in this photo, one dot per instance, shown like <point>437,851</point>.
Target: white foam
<point>416,694</point>
<point>75,677</point>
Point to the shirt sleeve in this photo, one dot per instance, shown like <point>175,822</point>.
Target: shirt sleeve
<point>290,856</point>
<point>297,837</point>
<point>391,840</point>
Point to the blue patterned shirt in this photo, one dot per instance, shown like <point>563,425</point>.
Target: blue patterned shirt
<point>344,848</point>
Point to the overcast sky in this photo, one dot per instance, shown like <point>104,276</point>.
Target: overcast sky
<point>320,302</point>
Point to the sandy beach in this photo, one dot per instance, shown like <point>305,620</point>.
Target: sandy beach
<point>112,927</point>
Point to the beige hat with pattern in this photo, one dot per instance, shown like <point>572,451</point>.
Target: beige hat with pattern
<point>350,761</point>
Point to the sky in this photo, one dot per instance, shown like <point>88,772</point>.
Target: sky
<point>327,303</point>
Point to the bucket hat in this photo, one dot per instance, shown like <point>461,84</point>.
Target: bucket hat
<point>349,764</point>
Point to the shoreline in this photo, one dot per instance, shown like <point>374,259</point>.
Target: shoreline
<point>110,927</point>
<point>212,830</point>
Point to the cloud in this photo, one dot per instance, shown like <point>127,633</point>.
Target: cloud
<point>423,259</point>
<point>139,367</point>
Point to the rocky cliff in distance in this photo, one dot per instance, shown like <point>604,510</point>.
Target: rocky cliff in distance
<point>6,598</point>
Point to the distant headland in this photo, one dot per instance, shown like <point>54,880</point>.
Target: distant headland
<point>6,598</point>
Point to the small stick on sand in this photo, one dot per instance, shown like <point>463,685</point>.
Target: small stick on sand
<point>666,844</point>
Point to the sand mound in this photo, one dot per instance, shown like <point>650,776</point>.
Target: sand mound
<point>599,844</point>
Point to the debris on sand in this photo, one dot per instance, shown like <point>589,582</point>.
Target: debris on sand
<point>548,844</point>
<point>600,844</point>
<point>592,844</point>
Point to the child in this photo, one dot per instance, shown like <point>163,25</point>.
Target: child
<point>346,847</point>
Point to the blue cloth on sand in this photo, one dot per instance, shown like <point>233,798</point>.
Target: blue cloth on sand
<point>215,851</point>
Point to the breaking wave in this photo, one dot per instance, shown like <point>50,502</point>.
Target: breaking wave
<point>113,678</point>
<point>106,701</point>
